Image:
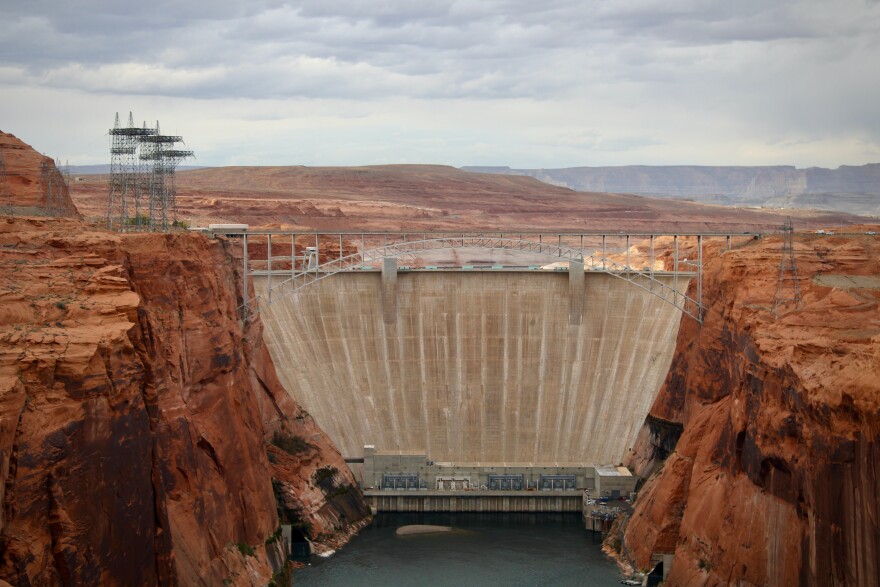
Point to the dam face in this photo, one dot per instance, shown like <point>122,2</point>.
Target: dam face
<point>474,367</point>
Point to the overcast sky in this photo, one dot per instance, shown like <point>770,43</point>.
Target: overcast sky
<point>524,83</point>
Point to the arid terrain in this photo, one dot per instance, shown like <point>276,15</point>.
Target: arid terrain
<point>132,393</point>
<point>431,197</point>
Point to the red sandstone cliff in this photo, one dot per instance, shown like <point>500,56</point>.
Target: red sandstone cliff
<point>137,415</point>
<point>26,188</point>
<point>765,438</point>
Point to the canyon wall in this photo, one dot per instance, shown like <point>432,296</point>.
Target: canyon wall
<point>474,366</point>
<point>761,449</point>
<point>144,436</point>
<point>25,188</point>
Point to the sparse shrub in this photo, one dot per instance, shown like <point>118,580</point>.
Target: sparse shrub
<point>245,549</point>
<point>292,444</point>
<point>341,490</point>
<point>283,577</point>
<point>324,473</point>
<point>139,220</point>
<point>61,305</point>
<point>274,537</point>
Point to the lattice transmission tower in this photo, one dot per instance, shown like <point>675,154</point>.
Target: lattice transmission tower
<point>53,188</point>
<point>124,197</point>
<point>61,182</point>
<point>162,158</point>
<point>788,288</point>
<point>5,191</point>
<point>142,177</point>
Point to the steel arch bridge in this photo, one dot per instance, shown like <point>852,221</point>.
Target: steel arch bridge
<point>408,245</point>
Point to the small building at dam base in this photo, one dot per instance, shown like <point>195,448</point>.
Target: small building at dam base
<point>409,481</point>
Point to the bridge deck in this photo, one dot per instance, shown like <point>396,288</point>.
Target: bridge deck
<point>308,257</point>
<point>491,234</point>
<point>465,269</point>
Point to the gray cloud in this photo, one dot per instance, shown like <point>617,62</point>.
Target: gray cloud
<point>783,72</point>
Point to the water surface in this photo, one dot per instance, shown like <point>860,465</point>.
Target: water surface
<point>485,549</point>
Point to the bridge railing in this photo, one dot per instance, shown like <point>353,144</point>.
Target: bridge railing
<point>612,254</point>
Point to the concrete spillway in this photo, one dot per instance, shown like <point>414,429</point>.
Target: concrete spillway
<point>474,366</point>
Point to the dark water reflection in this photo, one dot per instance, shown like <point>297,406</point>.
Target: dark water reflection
<point>491,549</point>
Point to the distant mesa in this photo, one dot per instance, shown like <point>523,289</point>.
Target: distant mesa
<point>850,189</point>
<point>104,169</point>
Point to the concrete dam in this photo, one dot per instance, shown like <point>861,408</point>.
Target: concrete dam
<point>474,368</point>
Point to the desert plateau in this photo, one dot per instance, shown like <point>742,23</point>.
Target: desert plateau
<point>134,393</point>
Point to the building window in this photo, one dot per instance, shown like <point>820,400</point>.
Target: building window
<point>556,482</point>
<point>502,482</point>
<point>400,481</point>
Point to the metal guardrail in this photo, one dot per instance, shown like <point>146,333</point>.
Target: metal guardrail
<point>405,246</point>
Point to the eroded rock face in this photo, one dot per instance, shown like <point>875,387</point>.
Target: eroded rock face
<point>773,480</point>
<point>26,188</point>
<point>137,413</point>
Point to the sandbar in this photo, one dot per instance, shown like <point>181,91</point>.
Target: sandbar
<point>421,529</point>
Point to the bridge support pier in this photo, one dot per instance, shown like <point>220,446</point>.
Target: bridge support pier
<point>575,292</point>
<point>389,290</point>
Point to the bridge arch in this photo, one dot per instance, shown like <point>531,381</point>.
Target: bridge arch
<point>648,279</point>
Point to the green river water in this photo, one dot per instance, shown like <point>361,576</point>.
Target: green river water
<point>485,549</point>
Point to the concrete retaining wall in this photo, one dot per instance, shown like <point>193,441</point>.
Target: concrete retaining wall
<point>476,501</point>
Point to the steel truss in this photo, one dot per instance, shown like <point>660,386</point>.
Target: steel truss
<point>161,156</point>
<point>53,184</point>
<point>126,184</point>
<point>5,192</point>
<point>645,278</point>
<point>142,167</point>
<point>788,288</point>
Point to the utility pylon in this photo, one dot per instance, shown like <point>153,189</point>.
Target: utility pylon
<point>67,175</point>
<point>47,182</point>
<point>5,192</point>
<point>142,165</point>
<point>160,154</point>
<point>787,287</point>
<point>125,172</point>
<point>52,181</point>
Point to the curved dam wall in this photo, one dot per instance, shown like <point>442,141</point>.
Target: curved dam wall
<point>477,367</point>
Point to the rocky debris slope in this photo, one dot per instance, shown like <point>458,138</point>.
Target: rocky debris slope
<point>144,436</point>
<point>26,189</point>
<point>764,442</point>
